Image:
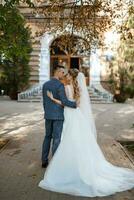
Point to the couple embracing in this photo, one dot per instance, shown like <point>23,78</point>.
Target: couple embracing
<point>78,166</point>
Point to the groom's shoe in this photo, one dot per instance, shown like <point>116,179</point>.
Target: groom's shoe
<point>44,165</point>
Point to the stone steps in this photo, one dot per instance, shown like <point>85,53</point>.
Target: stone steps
<point>37,98</point>
<point>34,94</point>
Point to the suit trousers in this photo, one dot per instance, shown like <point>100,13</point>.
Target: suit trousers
<point>53,133</point>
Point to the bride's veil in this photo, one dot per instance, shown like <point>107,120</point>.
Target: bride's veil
<point>85,104</point>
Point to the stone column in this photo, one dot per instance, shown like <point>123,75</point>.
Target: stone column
<point>95,68</point>
<point>44,71</point>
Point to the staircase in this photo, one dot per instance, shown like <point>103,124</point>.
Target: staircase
<point>99,95</point>
<point>34,94</point>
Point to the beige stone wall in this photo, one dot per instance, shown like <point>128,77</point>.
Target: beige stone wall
<point>35,55</point>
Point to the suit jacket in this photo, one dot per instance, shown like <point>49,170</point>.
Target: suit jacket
<point>53,110</point>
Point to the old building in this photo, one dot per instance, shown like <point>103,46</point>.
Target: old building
<point>46,53</point>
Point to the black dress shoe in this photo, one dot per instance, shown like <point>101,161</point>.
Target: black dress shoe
<point>44,165</point>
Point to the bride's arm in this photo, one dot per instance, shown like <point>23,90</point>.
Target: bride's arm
<point>50,95</point>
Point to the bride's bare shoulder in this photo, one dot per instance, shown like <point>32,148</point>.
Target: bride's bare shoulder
<point>67,86</point>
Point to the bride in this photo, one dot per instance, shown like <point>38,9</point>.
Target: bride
<point>79,166</point>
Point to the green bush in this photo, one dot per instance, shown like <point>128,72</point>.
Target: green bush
<point>120,98</point>
<point>121,67</point>
<point>129,90</point>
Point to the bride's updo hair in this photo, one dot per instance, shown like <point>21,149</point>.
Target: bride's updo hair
<point>74,73</point>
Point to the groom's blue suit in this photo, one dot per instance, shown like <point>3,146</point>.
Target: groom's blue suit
<point>54,115</point>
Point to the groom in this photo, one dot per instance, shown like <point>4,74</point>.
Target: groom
<point>54,113</point>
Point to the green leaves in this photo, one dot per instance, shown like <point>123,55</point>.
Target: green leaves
<point>12,3</point>
<point>15,48</point>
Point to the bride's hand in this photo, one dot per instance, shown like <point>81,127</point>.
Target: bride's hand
<point>50,95</point>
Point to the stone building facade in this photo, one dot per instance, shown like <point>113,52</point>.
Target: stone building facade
<point>42,60</point>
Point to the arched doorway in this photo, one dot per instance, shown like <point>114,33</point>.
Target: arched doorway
<point>71,52</point>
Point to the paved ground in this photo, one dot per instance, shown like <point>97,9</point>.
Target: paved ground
<point>115,120</point>
<point>20,169</point>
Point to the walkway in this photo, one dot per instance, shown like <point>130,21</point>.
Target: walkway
<point>23,125</point>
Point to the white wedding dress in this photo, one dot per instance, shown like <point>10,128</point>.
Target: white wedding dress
<point>79,166</point>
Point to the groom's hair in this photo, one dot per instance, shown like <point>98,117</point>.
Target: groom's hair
<point>57,67</point>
